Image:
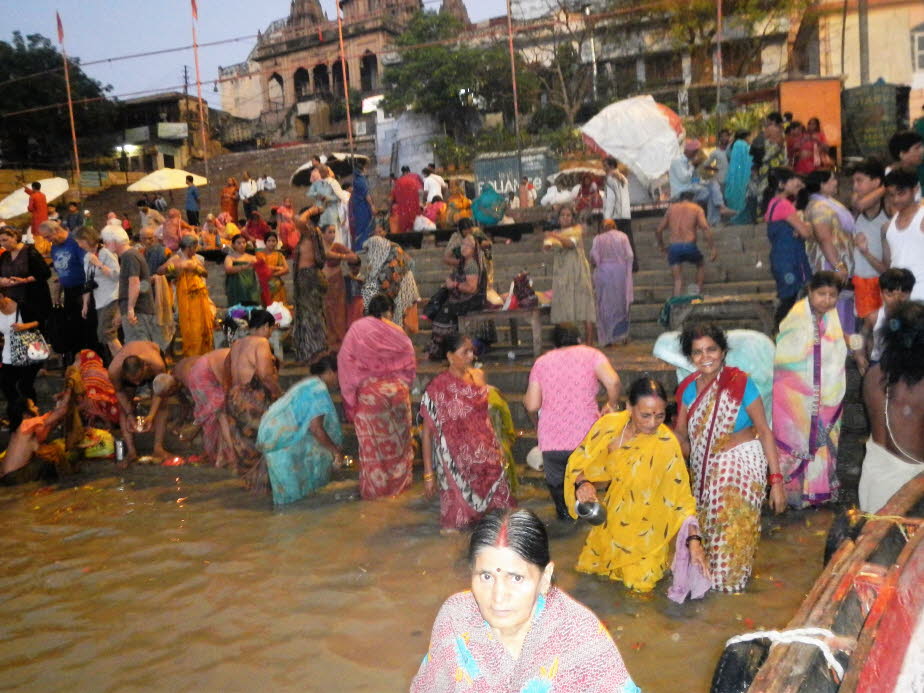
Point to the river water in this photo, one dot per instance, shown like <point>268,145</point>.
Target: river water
<point>175,579</point>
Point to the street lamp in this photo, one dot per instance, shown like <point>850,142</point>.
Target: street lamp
<point>593,50</point>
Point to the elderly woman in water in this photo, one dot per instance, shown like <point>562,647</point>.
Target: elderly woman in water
<point>515,631</point>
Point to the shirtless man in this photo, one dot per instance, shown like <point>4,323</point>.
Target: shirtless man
<point>893,391</point>
<point>254,384</point>
<point>684,219</point>
<point>200,380</point>
<point>138,363</point>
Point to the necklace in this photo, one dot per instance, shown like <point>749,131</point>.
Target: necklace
<point>892,437</point>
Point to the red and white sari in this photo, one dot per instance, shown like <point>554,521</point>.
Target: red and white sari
<point>728,483</point>
<point>467,458</point>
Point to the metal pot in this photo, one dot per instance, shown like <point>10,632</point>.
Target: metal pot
<point>593,512</point>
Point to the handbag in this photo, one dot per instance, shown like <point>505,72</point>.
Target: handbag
<point>436,302</point>
<point>27,346</point>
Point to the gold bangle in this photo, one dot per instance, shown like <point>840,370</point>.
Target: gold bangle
<point>429,476</point>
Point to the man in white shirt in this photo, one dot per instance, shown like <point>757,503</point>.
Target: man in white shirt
<point>433,185</point>
<point>247,190</point>
<point>265,183</point>
<point>616,202</point>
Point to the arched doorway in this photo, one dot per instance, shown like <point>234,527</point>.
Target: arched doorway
<point>301,82</point>
<point>336,73</point>
<point>275,93</point>
<point>368,72</point>
<point>321,79</point>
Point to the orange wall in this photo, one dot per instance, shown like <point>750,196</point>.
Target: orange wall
<point>818,98</point>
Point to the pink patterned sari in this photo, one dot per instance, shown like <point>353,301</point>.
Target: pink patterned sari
<point>376,368</point>
<point>728,483</point>
<point>467,458</point>
<point>567,650</point>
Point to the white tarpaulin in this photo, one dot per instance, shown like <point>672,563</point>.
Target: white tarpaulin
<point>643,134</point>
<point>17,202</point>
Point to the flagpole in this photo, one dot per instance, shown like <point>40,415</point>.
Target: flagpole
<point>346,85</point>
<point>205,148</point>
<point>70,104</point>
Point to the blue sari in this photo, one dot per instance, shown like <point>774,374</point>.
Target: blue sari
<point>297,463</point>
<point>736,181</point>
<point>361,216</point>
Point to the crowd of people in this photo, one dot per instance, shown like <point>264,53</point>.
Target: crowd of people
<point>682,493</point>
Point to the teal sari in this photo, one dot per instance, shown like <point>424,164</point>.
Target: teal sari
<point>736,181</point>
<point>297,463</point>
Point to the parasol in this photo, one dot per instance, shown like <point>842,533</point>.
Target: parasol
<point>338,162</point>
<point>640,133</point>
<point>165,179</point>
<point>17,202</point>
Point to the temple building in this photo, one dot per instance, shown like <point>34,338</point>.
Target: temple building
<point>292,81</point>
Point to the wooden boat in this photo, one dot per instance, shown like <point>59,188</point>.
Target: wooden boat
<point>869,597</point>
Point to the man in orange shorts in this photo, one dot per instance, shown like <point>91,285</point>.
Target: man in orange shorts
<point>868,203</point>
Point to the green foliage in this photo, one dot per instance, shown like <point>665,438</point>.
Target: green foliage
<point>44,136</point>
<point>747,118</point>
<point>694,22</point>
<point>564,141</point>
<point>452,82</point>
<point>338,108</point>
<point>548,117</point>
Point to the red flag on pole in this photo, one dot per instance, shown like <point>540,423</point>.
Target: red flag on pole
<point>195,10</point>
<point>61,28</point>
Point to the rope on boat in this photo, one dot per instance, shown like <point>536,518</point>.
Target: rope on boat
<point>806,636</point>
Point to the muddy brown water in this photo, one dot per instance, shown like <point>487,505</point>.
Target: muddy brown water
<point>178,580</point>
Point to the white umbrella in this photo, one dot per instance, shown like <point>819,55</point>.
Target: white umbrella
<point>17,202</point>
<point>165,179</point>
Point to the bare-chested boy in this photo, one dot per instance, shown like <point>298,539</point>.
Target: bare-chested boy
<point>138,363</point>
<point>684,219</point>
<point>251,370</point>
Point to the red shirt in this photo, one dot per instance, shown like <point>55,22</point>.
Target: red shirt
<point>38,206</point>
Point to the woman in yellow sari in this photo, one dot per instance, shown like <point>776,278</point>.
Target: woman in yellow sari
<point>194,306</point>
<point>458,206</point>
<point>648,501</point>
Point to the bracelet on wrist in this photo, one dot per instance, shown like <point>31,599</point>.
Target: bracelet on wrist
<point>429,476</point>
<point>774,479</point>
<point>694,537</point>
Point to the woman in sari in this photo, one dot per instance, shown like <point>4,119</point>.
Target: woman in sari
<point>830,247</point>
<point>273,289</point>
<point>809,382</point>
<point>648,502</point>
<point>722,427</point>
<point>572,291</point>
<point>787,233</point>
<point>194,307</point>
<point>227,229</point>
<point>461,455</point>
<point>229,199</point>
<point>588,201</point>
<point>241,285</point>
<point>458,206</point>
<point>323,194</point>
<point>489,207</point>
<point>611,257</point>
<point>515,631</point>
<point>740,165</point>
<point>300,435</point>
<point>309,331</point>
<point>360,208</point>
<point>389,271</point>
<point>465,292</point>
<point>88,382</point>
<point>376,369</point>
<point>285,225</point>
<point>255,230</point>
<point>335,300</point>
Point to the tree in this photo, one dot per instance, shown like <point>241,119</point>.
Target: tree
<point>561,62</point>
<point>452,81</point>
<point>44,136</point>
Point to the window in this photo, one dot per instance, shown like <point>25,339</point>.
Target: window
<point>917,42</point>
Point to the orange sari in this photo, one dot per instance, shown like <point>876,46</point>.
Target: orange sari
<point>195,313</point>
